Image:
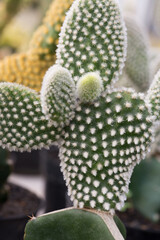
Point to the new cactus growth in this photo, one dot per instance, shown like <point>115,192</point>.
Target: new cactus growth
<point>89,87</point>
<point>29,68</point>
<point>102,132</point>
<point>59,91</point>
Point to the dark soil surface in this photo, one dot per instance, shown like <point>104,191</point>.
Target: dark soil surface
<point>132,218</point>
<point>20,203</point>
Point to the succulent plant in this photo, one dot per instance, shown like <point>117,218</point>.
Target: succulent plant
<point>29,68</point>
<point>137,57</point>
<point>102,132</point>
<point>74,224</point>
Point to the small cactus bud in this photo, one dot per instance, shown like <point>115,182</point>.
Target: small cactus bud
<point>89,87</point>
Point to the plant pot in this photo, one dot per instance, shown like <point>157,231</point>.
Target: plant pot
<point>138,227</point>
<point>15,213</point>
<point>26,163</point>
<point>55,189</point>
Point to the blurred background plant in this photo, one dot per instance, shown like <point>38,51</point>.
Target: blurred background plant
<point>15,33</point>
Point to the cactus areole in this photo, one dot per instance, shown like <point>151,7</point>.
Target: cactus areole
<point>102,132</point>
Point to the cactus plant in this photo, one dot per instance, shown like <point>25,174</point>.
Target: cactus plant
<point>29,68</point>
<point>137,57</point>
<point>102,132</point>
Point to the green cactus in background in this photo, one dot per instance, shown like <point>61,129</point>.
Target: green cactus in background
<point>137,71</point>
<point>4,173</point>
<point>102,132</point>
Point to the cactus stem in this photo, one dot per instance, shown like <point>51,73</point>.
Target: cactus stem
<point>109,221</point>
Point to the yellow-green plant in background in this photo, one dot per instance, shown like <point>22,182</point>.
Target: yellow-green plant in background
<point>29,68</point>
<point>8,9</point>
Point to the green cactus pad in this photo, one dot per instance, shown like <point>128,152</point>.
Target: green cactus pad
<point>137,64</point>
<point>154,96</point>
<point>102,145</point>
<point>68,224</point>
<point>93,38</point>
<point>23,126</point>
<point>58,96</point>
<point>89,87</point>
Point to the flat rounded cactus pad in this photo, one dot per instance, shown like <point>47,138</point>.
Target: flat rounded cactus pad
<point>68,224</point>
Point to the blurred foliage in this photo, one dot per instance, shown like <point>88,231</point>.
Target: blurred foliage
<point>145,188</point>
<point>13,36</point>
<point>8,9</point>
<point>13,33</point>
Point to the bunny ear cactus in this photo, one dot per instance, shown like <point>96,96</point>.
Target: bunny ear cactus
<point>29,68</point>
<point>58,96</point>
<point>101,146</point>
<point>102,132</point>
<point>23,125</point>
<point>74,224</point>
<point>94,38</point>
